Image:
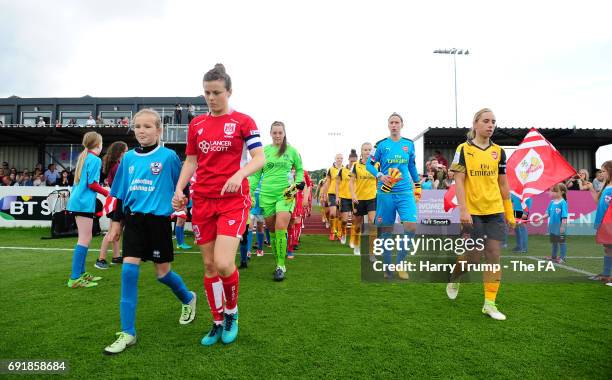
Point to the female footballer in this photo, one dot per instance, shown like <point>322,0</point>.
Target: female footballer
<point>399,185</point>
<point>278,190</point>
<point>363,196</point>
<point>217,143</point>
<point>343,196</point>
<point>330,196</point>
<point>484,202</point>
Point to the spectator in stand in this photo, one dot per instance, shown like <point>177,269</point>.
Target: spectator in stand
<point>439,172</point>
<point>427,166</point>
<point>5,165</point>
<point>91,122</point>
<point>58,124</point>
<point>190,112</point>
<point>441,159</point>
<point>579,181</point>
<point>599,180</point>
<point>125,121</point>
<point>65,179</point>
<point>178,114</point>
<point>99,121</point>
<point>6,181</point>
<point>41,122</point>
<point>38,180</point>
<point>427,182</point>
<point>51,175</point>
<point>13,171</point>
<point>26,180</point>
<point>449,181</point>
<point>13,179</point>
<point>39,166</point>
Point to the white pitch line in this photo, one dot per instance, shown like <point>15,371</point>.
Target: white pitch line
<point>566,267</point>
<point>175,252</point>
<point>302,254</point>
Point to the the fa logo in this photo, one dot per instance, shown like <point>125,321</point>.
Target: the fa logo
<point>405,148</point>
<point>156,254</point>
<point>131,169</point>
<point>229,128</point>
<point>156,167</point>
<point>494,155</point>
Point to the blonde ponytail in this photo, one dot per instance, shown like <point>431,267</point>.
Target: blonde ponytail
<point>471,135</point>
<point>91,140</point>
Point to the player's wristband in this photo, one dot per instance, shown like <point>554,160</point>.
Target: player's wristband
<point>509,212</point>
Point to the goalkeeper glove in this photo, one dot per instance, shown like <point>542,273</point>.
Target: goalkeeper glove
<point>509,213</point>
<point>395,176</point>
<point>417,191</point>
<point>301,185</point>
<point>290,192</point>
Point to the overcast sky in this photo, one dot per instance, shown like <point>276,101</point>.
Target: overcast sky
<point>324,66</point>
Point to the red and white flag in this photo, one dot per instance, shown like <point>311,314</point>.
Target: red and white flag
<point>450,199</point>
<point>604,232</point>
<point>535,166</point>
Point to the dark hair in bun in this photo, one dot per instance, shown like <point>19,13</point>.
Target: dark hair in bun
<point>218,73</point>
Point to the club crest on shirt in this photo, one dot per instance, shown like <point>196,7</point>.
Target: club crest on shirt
<point>131,169</point>
<point>229,129</point>
<point>405,148</point>
<point>156,167</point>
<point>200,131</point>
<point>494,155</point>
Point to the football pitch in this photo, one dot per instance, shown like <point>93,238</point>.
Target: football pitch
<point>323,321</point>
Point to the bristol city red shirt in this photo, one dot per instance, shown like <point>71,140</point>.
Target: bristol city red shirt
<point>220,144</point>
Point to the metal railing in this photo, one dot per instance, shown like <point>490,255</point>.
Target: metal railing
<point>175,134</point>
<point>65,126</point>
<point>172,133</point>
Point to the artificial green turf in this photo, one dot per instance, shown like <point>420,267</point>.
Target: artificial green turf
<point>323,321</point>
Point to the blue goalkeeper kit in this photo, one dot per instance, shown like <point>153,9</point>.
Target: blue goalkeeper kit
<point>395,155</point>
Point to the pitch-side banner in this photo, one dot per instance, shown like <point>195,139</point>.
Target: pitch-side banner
<point>581,207</point>
<point>31,206</point>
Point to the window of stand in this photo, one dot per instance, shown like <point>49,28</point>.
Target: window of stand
<point>74,118</point>
<point>116,118</point>
<point>36,119</point>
